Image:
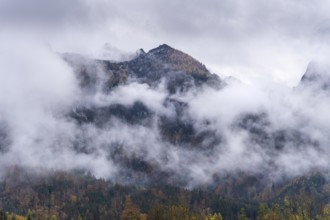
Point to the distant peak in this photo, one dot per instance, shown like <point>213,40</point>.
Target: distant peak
<point>163,47</point>
<point>177,59</point>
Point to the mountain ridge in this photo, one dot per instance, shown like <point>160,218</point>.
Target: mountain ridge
<point>180,71</point>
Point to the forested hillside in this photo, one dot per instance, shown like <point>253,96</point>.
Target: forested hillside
<point>61,195</point>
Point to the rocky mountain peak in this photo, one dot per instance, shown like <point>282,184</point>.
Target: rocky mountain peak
<point>177,60</point>
<point>180,71</point>
<point>162,49</point>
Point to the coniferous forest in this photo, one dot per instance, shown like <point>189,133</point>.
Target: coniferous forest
<point>63,195</point>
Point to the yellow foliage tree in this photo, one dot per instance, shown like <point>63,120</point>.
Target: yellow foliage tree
<point>131,211</point>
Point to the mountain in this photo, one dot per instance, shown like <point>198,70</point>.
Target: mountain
<point>178,78</point>
<point>160,135</point>
<point>163,66</point>
<point>181,71</point>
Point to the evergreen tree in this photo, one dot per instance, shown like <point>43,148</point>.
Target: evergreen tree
<point>242,215</point>
<point>3,215</point>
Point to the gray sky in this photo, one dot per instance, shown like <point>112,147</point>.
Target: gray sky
<point>247,39</point>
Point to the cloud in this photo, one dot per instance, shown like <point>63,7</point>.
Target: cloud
<point>135,92</point>
<point>52,14</point>
<point>36,87</point>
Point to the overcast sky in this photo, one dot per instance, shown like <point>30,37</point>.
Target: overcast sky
<point>245,38</point>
